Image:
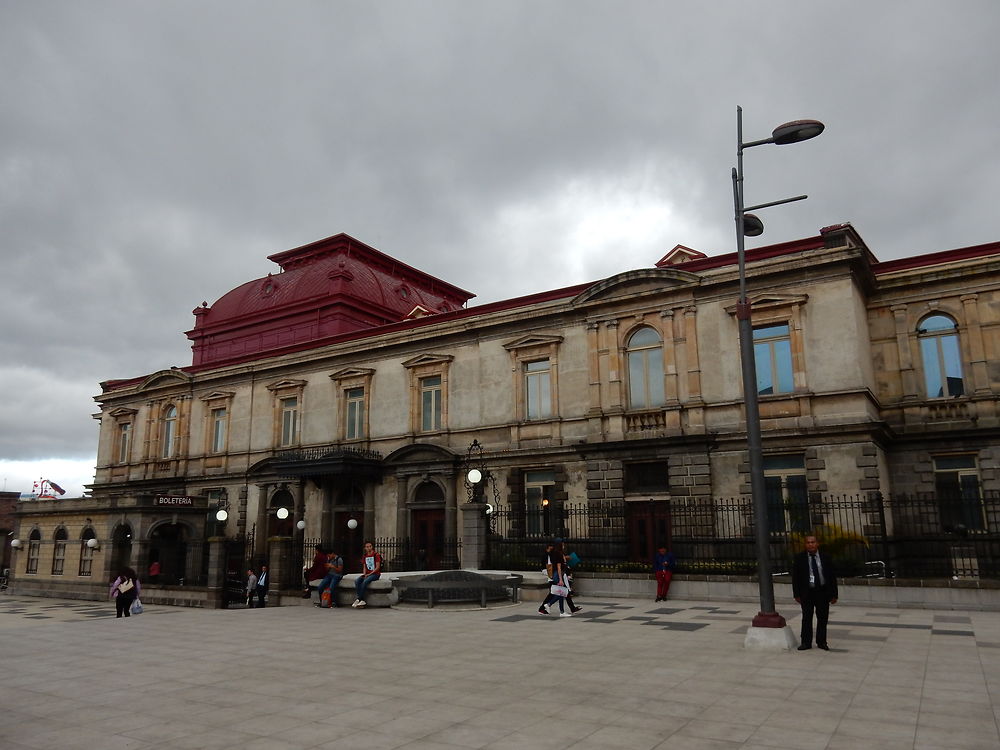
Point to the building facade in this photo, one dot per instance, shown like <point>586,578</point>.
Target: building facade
<point>350,387</point>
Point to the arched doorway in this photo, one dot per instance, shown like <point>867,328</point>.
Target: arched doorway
<point>121,549</point>
<point>168,544</point>
<point>427,526</point>
<point>277,526</point>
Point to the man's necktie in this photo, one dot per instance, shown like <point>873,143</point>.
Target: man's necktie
<point>817,578</point>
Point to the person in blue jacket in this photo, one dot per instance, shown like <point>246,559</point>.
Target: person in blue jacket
<point>663,566</point>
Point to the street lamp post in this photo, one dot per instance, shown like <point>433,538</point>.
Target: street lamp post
<point>748,225</point>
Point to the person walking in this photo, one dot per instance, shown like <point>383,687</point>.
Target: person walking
<point>571,560</point>
<point>251,587</point>
<point>334,572</point>
<point>663,568</point>
<point>124,590</point>
<point>554,563</point>
<point>814,586</point>
<point>371,570</point>
<point>263,579</point>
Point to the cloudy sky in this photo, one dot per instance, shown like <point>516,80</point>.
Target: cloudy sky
<point>152,155</point>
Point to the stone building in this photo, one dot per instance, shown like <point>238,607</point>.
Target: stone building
<point>350,386</point>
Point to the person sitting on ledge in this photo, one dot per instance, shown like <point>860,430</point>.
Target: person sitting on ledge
<point>371,570</point>
<point>334,572</point>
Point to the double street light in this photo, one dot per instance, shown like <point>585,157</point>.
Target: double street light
<point>748,225</point>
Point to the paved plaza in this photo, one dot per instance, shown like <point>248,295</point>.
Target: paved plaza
<point>621,674</point>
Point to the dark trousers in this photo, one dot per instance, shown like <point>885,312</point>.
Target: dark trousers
<point>261,593</point>
<point>123,605</point>
<point>818,601</point>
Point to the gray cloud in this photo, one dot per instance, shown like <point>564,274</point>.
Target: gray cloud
<point>152,155</point>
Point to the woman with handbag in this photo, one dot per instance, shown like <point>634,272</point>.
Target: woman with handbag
<point>558,588</point>
<point>125,590</point>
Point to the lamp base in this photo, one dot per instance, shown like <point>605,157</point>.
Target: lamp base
<point>768,620</point>
<point>770,639</point>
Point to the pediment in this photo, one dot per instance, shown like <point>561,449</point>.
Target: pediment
<point>286,385</point>
<point>165,378</point>
<point>769,300</point>
<point>352,372</point>
<point>420,452</point>
<point>428,359</point>
<point>679,255</point>
<point>642,281</point>
<point>218,396</point>
<point>122,412</point>
<point>533,339</point>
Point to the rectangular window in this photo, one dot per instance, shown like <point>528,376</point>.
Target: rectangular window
<point>942,366</point>
<point>289,421</point>
<point>124,441</point>
<point>786,495</point>
<point>218,430</point>
<point>34,550</point>
<point>430,403</point>
<point>956,480</point>
<point>772,349</point>
<point>86,559</point>
<point>539,487</point>
<point>354,429</point>
<point>646,478</point>
<point>58,557</point>
<point>538,389</point>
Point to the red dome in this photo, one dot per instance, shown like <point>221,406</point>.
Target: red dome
<point>333,286</point>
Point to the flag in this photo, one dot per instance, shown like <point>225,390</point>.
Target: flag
<point>56,487</point>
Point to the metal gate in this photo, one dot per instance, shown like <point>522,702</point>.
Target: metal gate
<point>238,559</point>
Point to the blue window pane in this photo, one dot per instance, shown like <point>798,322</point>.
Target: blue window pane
<point>765,378</point>
<point>654,361</point>
<point>932,368</point>
<point>952,365</point>
<point>636,381</point>
<point>783,364</point>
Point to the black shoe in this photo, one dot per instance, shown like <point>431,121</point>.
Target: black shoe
<point>823,646</point>
<point>804,647</point>
<point>317,604</point>
<point>576,609</point>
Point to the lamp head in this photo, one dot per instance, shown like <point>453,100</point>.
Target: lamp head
<point>796,131</point>
<point>282,513</point>
<point>92,543</point>
<point>221,514</point>
<point>300,525</point>
<point>15,543</point>
<point>752,226</point>
<point>352,524</point>
<point>475,476</point>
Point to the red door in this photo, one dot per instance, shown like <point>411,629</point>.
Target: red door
<point>648,524</point>
<point>427,537</point>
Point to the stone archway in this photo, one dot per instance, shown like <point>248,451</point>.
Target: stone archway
<point>121,548</point>
<point>168,543</point>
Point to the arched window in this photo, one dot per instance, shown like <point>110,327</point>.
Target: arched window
<point>34,551</point>
<point>59,551</point>
<point>645,369</point>
<point>168,431</point>
<point>86,552</point>
<point>941,356</point>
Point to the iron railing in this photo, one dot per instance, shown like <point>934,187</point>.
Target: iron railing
<point>911,536</point>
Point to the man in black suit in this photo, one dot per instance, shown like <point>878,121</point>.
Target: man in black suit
<point>814,585</point>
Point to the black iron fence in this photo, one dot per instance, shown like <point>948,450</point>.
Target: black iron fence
<point>909,536</point>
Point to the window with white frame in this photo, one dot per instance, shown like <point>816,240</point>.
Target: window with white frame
<point>644,354</point>
<point>772,349</point>
<point>785,492</point>
<point>538,389</point>
<point>59,552</point>
<point>168,432</point>
<point>430,403</point>
<point>219,419</point>
<point>289,410</point>
<point>539,487</point>
<point>354,413</point>
<point>124,442</point>
<point>941,356</point>
<point>86,553</point>
<point>959,495</point>
<point>34,551</point>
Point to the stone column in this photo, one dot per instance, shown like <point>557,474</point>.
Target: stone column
<point>216,572</point>
<point>473,535</point>
<point>279,562</point>
<point>907,373</point>
<point>979,377</point>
